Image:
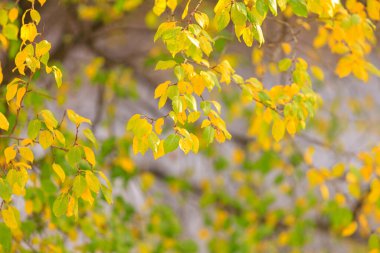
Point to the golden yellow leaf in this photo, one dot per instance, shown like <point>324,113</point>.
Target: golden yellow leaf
<point>10,154</point>
<point>90,156</point>
<point>373,8</point>
<point>350,229</point>
<point>11,91</point>
<point>28,207</point>
<point>1,73</point>
<point>172,4</point>
<point>26,153</point>
<point>186,10</point>
<point>71,206</point>
<point>10,217</point>
<point>161,89</point>
<point>28,32</point>
<point>87,196</point>
<point>20,95</point>
<point>13,14</point>
<point>286,47</point>
<point>291,127</point>
<point>46,139</point>
<point>59,171</point>
<point>76,118</point>
<point>4,124</point>
<point>158,125</point>
<point>278,129</point>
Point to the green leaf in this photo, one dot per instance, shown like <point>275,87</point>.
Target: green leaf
<point>74,155</point>
<point>6,238</point>
<point>90,136</point>
<point>60,205</point>
<point>171,143</point>
<point>208,134</point>
<point>273,6</point>
<point>222,20</point>
<point>239,13</point>
<point>5,190</point>
<point>162,65</point>
<point>107,193</point>
<point>10,31</point>
<point>299,7</point>
<point>206,107</point>
<point>284,64</point>
<point>34,128</point>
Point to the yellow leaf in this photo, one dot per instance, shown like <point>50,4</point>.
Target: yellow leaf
<point>278,129</point>
<point>373,8</point>
<point>161,89</point>
<point>158,125</point>
<point>4,124</point>
<point>324,191</point>
<point>205,123</point>
<point>160,151</point>
<point>49,119</point>
<point>10,216</point>
<point>318,73</point>
<point>291,127</point>
<point>46,139</point>
<point>28,207</point>
<point>90,156</point>
<point>59,171</point>
<point>308,155</point>
<point>10,154</point>
<point>28,32</point>
<point>42,2</point>
<point>172,4</point>
<point>11,91</point>
<point>159,7</point>
<point>193,116</point>
<point>315,177</point>
<point>71,206</point>
<point>13,14</point>
<point>77,119</point>
<point>344,67</point>
<point>195,141</point>
<point>198,84</point>
<point>20,95</point>
<point>338,170</point>
<point>1,73</point>
<point>350,229</point>
<point>87,196</point>
<point>286,47</point>
<point>147,181</point>
<point>27,154</point>
<point>186,10</point>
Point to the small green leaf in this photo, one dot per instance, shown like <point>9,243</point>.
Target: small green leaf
<point>171,143</point>
<point>34,128</point>
<point>60,205</point>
